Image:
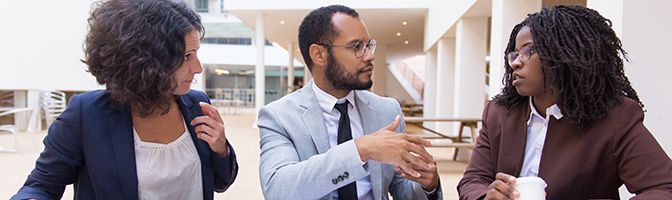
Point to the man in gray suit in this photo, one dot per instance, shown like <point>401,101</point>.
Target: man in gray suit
<point>307,150</point>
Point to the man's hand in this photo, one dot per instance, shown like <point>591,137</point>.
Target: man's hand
<point>429,178</point>
<point>387,146</point>
<point>210,128</point>
<point>502,188</point>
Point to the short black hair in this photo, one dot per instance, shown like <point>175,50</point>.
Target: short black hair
<point>134,46</point>
<point>584,58</point>
<point>317,27</point>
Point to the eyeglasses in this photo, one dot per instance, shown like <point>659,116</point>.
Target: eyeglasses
<point>359,46</point>
<point>523,54</point>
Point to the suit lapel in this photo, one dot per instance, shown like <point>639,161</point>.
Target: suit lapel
<point>120,129</point>
<point>191,110</point>
<point>313,119</point>
<point>514,134</point>
<point>370,124</point>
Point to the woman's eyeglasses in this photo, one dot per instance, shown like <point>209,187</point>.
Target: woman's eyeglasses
<point>523,54</point>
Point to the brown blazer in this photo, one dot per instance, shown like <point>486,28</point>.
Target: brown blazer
<point>576,164</point>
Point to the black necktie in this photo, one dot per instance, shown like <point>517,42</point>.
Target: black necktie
<point>349,191</point>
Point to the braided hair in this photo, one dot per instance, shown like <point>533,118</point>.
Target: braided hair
<point>582,56</point>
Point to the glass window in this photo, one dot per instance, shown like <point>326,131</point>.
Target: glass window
<point>201,5</point>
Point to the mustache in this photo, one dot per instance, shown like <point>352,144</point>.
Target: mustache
<point>368,67</point>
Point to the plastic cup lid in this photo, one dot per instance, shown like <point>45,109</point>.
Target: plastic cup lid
<point>530,179</point>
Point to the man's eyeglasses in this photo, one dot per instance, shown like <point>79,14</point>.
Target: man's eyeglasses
<point>359,46</point>
<point>523,54</point>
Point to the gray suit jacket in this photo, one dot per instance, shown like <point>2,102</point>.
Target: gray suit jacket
<point>297,163</point>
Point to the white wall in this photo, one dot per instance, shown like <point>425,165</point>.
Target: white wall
<point>645,33</point>
<point>647,38</point>
<point>42,45</point>
<point>395,90</point>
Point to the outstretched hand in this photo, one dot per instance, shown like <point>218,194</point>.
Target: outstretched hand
<point>390,147</point>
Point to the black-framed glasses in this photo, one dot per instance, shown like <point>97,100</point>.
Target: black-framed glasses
<point>523,54</point>
<point>359,46</point>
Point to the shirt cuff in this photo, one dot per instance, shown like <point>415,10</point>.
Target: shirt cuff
<point>431,192</point>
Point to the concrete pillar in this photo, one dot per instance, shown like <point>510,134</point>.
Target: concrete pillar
<point>380,70</point>
<point>290,67</point>
<point>505,15</point>
<point>33,101</point>
<point>21,101</point>
<point>281,79</point>
<point>471,49</point>
<point>445,83</point>
<point>260,69</point>
<point>429,96</point>
<point>307,76</point>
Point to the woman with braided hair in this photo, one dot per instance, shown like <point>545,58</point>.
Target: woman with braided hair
<point>568,115</point>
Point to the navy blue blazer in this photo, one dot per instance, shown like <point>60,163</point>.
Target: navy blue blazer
<point>91,145</point>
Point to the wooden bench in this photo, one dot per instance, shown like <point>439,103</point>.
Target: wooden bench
<point>457,142</point>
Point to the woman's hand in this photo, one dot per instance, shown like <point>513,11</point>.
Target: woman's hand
<point>210,128</point>
<point>502,187</point>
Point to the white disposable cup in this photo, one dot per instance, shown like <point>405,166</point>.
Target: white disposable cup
<point>530,188</point>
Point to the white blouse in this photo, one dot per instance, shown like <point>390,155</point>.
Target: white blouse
<point>168,171</point>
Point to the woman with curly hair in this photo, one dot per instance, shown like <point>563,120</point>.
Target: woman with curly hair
<point>147,135</point>
<point>568,115</point>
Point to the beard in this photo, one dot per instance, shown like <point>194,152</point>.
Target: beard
<point>341,79</point>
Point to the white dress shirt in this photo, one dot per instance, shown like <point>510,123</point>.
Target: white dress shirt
<point>537,127</point>
<point>168,171</point>
<point>331,118</point>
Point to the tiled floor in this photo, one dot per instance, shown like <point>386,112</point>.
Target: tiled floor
<point>14,167</point>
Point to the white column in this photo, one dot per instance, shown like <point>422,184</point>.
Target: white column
<point>259,69</point>
<point>20,101</point>
<point>290,67</point>
<point>429,96</point>
<point>33,101</point>
<point>379,71</point>
<point>307,76</point>
<point>445,83</point>
<point>471,49</point>
<point>281,80</point>
<point>505,15</point>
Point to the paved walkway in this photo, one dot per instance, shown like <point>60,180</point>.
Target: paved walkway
<point>14,167</point>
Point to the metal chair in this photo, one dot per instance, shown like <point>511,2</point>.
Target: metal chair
<point>52,104</point>
<point>21,121</point>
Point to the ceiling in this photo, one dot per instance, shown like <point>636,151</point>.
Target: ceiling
<point>281,26</point>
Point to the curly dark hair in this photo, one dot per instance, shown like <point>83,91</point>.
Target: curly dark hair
<point>134,47</point>
<point>317,27</point>
<point>582,56</point>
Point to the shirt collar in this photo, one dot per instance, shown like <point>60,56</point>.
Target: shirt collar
<point>327,101</point>
<point>553,110</point>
